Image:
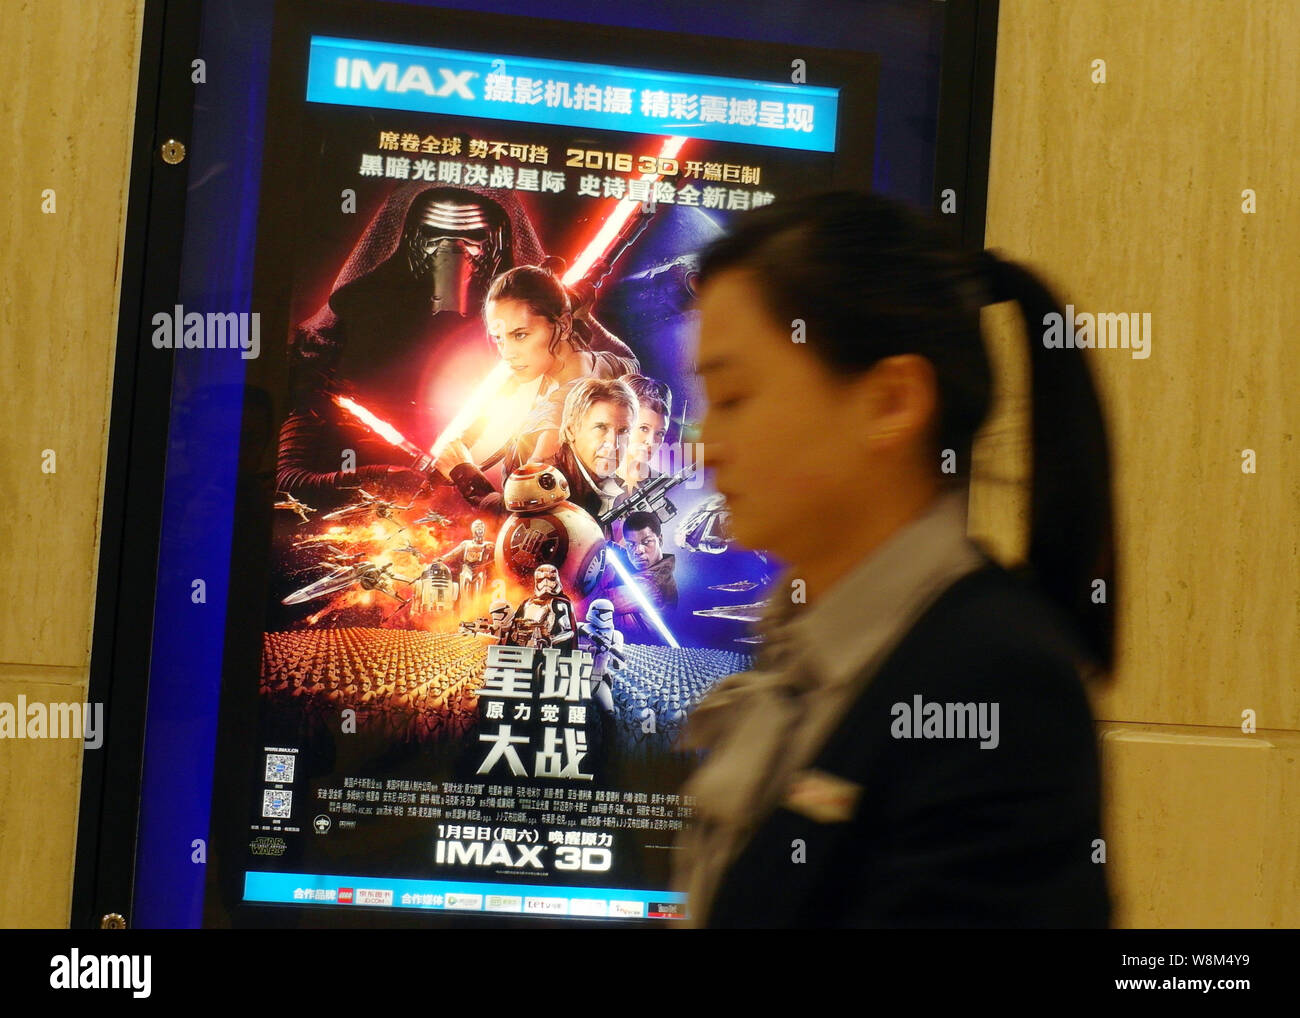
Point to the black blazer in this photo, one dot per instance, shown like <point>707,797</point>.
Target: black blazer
<point>944,833</point>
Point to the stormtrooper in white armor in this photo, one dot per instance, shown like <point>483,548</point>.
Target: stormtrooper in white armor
<point>546,618</point>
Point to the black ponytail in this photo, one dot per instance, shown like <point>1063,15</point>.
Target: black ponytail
<point>541,288</point>
<point>1071,522</point>
<point>871,278</point>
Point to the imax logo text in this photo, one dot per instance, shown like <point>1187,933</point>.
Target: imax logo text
<point>352,72</point>
<point>455,853</point>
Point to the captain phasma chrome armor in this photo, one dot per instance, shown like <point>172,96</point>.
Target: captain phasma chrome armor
<point>546,618</point>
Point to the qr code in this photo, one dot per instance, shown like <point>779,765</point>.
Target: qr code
<point>276,803</point>
<point>279,767</point>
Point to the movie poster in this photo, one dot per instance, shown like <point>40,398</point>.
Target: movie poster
<point>498,579</point>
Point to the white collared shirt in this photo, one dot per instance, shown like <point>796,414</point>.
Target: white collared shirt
<point>758,734</point>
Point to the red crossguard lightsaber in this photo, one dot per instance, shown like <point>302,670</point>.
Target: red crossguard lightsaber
<point>606,238</point>
<point>423,461</point>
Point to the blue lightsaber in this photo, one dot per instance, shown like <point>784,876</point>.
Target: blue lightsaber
<point>644,601</point>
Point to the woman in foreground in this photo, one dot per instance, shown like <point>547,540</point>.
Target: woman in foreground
<point>914,746</point>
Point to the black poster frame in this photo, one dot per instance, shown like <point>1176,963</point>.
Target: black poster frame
<point>131,520</point>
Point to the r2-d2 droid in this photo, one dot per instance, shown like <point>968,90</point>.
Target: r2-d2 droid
<point>435,591</point>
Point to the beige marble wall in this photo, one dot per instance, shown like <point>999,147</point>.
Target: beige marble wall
<point>66,114</point>
<point>1128,195</point>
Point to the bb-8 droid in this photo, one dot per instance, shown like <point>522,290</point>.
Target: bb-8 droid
<point>546,528</point>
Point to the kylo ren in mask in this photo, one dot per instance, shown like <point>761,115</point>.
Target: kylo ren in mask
<point>407,301</point>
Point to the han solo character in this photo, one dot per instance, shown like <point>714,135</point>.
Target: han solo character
<point>653,574</point>
<point>598,418</point>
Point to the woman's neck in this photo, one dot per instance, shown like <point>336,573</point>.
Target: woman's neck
<point>826,563</point>
<point>568,366</point>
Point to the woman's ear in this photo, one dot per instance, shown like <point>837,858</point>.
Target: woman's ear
<point>901,399</point>
<point>565,323</point>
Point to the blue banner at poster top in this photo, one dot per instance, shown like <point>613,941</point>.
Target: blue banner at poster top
<point>350,72</point>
